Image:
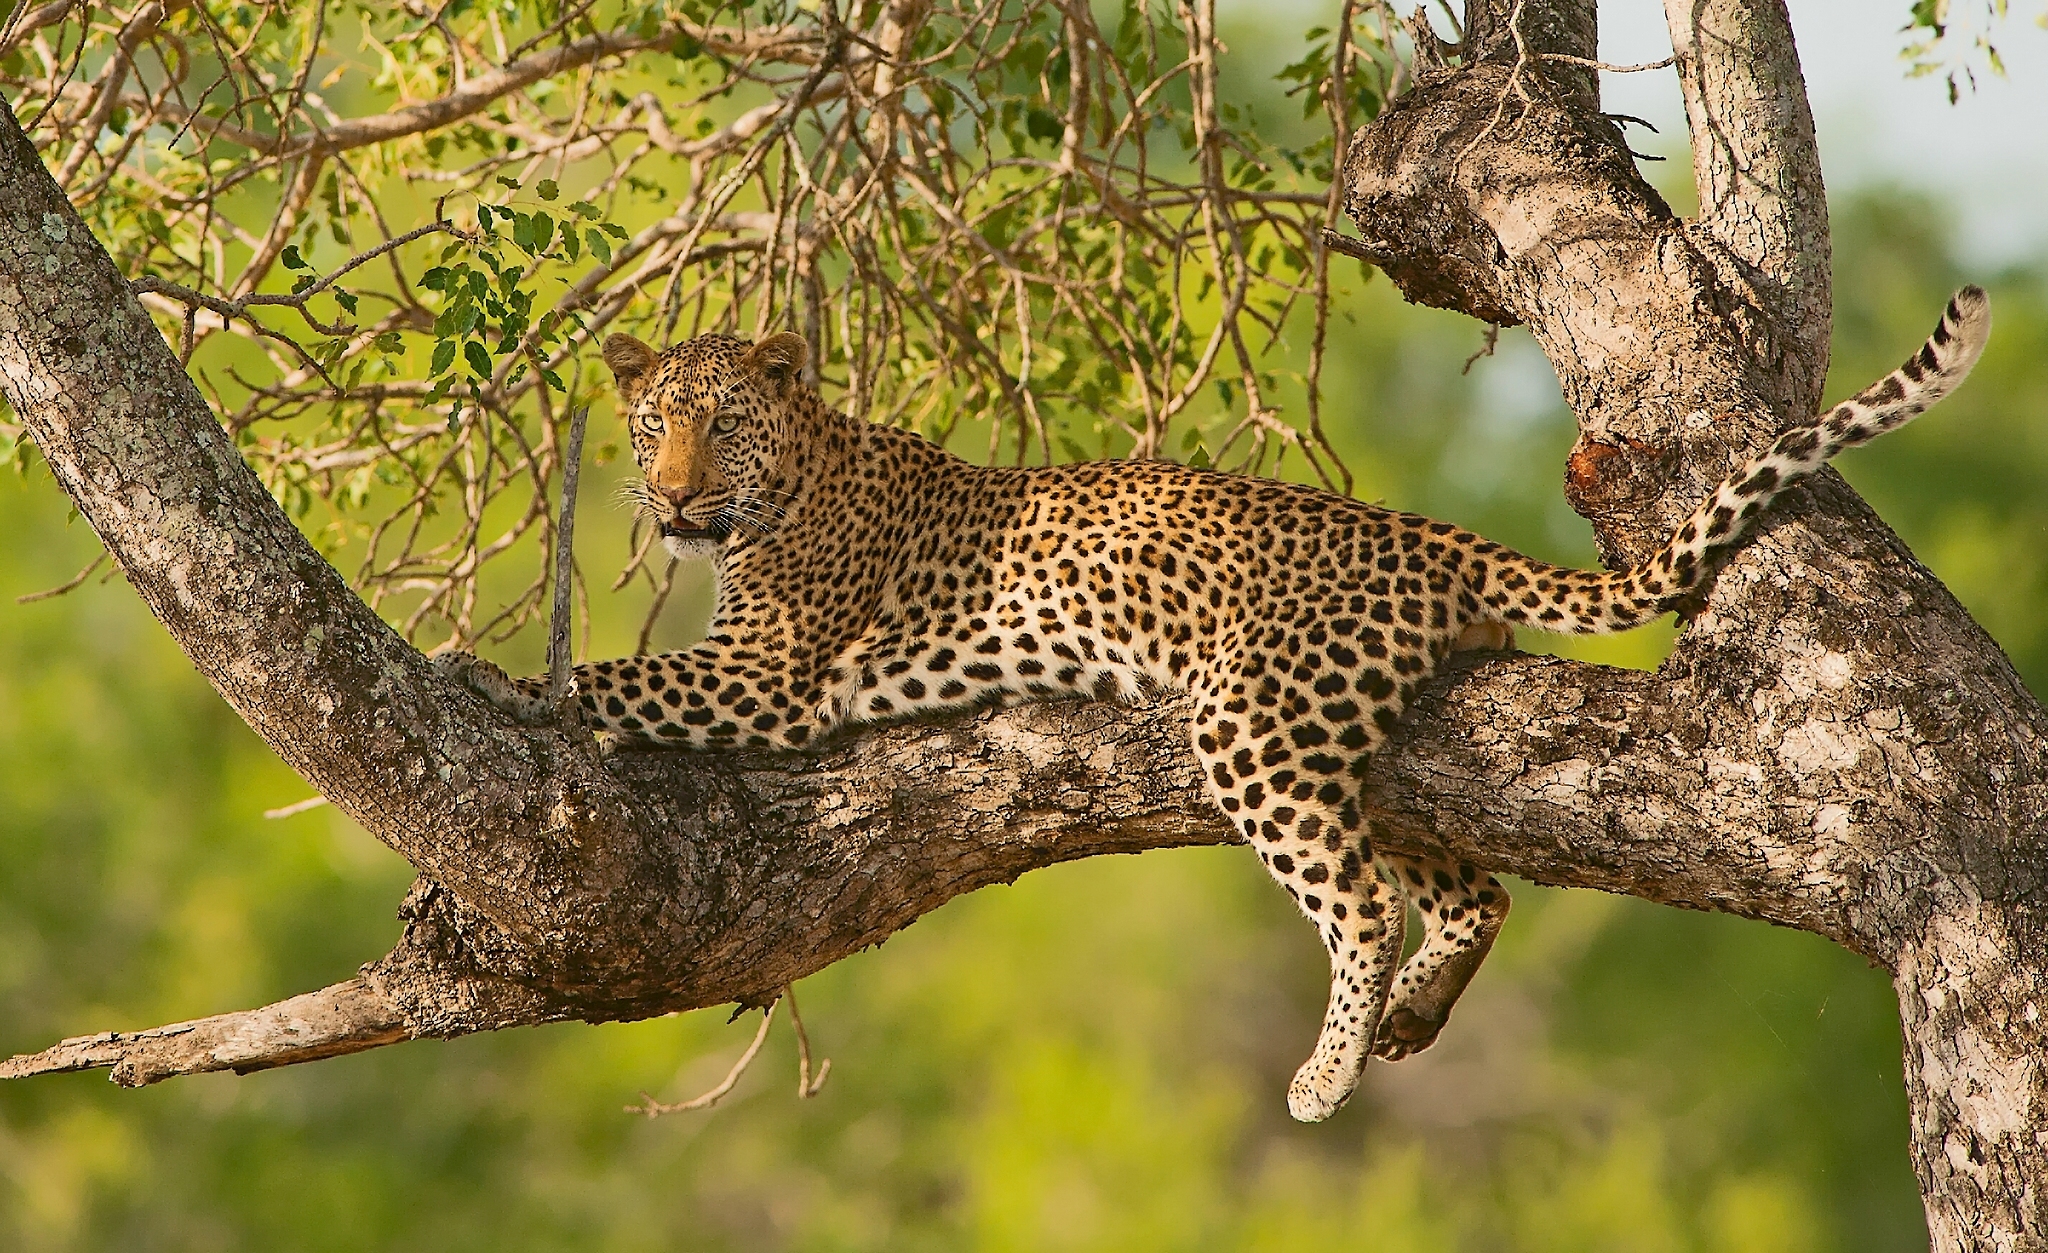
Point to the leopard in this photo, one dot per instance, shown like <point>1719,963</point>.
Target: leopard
<point>865,573</point>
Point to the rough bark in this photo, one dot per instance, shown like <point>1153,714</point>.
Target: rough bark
<point>1763,208</point>
<point>1872,748</point>
<point>1834,745</point>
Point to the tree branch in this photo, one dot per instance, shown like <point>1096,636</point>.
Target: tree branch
<point>345,1018</point>
<point>480,92</point>
<point>1756,167</point>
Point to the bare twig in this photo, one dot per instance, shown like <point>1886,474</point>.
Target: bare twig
<point>651,1108</point>
<point>296,808</point>
<point>559,624</point>
<point>1357,248</point>
<point>68,585</point>
<point>806,1086</point>
<point>1486,347</point>
<point>1567,59</point>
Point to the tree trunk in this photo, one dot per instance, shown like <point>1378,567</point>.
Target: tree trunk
<point>1850,735</point>
<point>1833,745</point>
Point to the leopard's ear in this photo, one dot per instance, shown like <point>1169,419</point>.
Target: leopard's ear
<point>779,359</point>
<point>632,364</point>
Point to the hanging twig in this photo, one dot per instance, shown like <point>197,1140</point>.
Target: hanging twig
<point>652,1108</point>
<point>806,1087</point>
<point>1486,348</point>
<point>565,561</point>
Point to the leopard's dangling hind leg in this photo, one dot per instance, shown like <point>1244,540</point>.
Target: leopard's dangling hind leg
<point>1461,908</point>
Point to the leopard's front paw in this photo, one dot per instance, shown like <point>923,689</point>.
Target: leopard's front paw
<point>836,701</point>
<point>526,702</point>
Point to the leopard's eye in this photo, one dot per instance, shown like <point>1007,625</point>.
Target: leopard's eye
<point>725,424</point>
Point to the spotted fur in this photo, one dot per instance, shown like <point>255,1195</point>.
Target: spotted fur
<point>864,573</point>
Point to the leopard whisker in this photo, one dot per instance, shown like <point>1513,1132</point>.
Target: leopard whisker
<point>755,502</point>
<point>745,515</point>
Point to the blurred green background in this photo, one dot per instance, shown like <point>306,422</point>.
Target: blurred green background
<point>1092,1059</point>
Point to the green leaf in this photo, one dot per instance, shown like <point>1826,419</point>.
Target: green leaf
<point>291,258</point>
<point>616,231</point>
<point>444,356</point>
<point>513,183</point>
<point>345,299</point>
<point>598,247</point>
<point>543,231</point>
<point>584,209</point>
<point>479,359</point>
<point>547,189</point>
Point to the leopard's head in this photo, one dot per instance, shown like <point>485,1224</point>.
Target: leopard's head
<point>713,422</point>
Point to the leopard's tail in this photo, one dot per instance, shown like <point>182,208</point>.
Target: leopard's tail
<point>1515,589</point>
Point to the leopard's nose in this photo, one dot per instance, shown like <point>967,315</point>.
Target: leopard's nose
<point>678,496</point>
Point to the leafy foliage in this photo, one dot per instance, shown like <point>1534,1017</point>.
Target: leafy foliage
<point>1942,40</point>
<point>387,236</point>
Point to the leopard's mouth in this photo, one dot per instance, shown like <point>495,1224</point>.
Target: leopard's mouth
<point>712,530</point>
